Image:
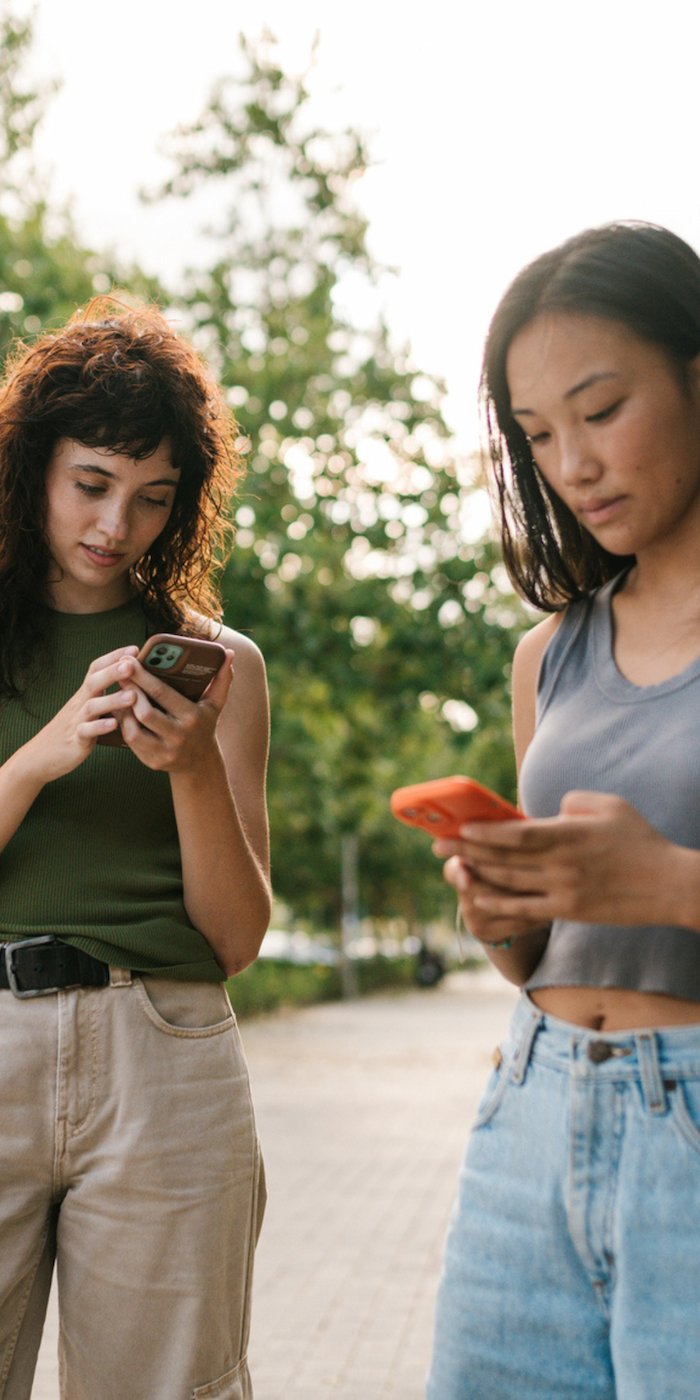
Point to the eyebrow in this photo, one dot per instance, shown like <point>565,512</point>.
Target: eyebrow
<point>571,393</point>
<point>111,476</point>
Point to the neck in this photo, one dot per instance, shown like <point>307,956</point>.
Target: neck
<point>659,589</point>
<point>68,597</point>
<point>668,571</point>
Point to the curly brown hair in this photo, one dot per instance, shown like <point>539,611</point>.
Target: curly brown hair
<point>117,376</point>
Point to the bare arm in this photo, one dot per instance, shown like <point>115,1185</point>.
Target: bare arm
<point>516,962</point>
<point>216,754</point>
<point>222,821</point>
<point>526,669</point>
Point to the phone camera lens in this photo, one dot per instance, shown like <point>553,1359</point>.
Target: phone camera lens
<point>160,651</point>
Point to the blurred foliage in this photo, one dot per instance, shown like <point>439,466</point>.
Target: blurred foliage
<point>268,984</point>
<point>21,107</point>
<point>358,567</point>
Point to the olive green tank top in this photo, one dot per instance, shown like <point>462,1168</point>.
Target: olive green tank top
<point>96,860</point>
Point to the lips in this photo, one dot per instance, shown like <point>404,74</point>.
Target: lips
<point>598,509</point>
<point>102,557</point>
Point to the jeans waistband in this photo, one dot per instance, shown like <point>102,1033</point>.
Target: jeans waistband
<point>652,1055</point>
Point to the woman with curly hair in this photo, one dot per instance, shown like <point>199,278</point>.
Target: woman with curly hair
<point>133,879</point>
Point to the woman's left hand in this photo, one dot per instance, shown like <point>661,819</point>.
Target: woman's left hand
<point>598,861</point>
<point>164,729</point>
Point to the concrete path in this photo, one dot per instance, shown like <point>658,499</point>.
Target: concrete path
<point>363,1110</point>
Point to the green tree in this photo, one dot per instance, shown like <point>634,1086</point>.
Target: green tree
<point>377,618</point>
<point>21,107</point>
<point>381,622</point>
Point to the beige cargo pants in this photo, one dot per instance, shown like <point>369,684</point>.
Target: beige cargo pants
<point>128,1153</point>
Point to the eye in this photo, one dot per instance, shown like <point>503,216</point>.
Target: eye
<point>151,501</point>
<point>604,413</point>
<point>536,439</point>
<point>88,490</point>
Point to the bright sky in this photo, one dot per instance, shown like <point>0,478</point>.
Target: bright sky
<point>498,128</point>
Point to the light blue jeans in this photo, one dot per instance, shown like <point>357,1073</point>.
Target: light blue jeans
<point>572,1264</point>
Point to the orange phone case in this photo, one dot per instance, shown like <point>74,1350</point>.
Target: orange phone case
<point>188,664</point>
<point>443,805</point>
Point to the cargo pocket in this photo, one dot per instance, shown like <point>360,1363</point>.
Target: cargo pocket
<point>235,1385</point>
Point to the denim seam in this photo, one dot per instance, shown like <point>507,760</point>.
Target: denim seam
<point>683,1121</point>
<point>90,1043</point>
<point>12,1343</point>
<point>523,1054</point>
<point>618,1132</point>
<point>221,1385</point>
<point>650,1074</point>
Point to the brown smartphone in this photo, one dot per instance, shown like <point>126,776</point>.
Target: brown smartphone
<point>442,806</point>
<point>188,664</point>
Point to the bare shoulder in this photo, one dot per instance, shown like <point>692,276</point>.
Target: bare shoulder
<point>248,658</point>
<point>246,712</point>
<point>246,654</point>
<point>532,646</point>
<point>244,722</point>
<point>526,665</point>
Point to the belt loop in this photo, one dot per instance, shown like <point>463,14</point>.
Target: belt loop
<point>652,1083</point>
<point>119,976</point>
<point>524,1050</point>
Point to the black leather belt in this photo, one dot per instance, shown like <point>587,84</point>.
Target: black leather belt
<point>36,967</point>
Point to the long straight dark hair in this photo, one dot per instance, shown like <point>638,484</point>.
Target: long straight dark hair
<point>638,274</point>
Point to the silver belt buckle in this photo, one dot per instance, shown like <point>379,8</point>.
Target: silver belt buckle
<point>11,948</point>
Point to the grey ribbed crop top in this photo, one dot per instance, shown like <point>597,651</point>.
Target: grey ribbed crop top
<point>598,732</point>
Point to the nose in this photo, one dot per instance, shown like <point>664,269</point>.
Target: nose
<point>577,464</point>
<point>113,521</point>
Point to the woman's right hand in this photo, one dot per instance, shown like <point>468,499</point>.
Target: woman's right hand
<point>67,740</point>
<point>486,927</point>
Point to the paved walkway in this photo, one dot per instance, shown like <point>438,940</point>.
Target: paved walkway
<point>363,1109</point>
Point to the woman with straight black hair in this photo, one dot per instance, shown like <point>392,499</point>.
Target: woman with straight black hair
<point>572,1268</point>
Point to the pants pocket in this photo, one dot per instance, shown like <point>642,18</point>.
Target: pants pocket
<point>685,1108</point>
<point>189,1010</point>
<point>235,1385</point>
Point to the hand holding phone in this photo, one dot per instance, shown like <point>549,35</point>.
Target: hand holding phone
<point>442,806</point>
<point>188,664</point>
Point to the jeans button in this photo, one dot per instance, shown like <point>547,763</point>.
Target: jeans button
<point>599,1050</point>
